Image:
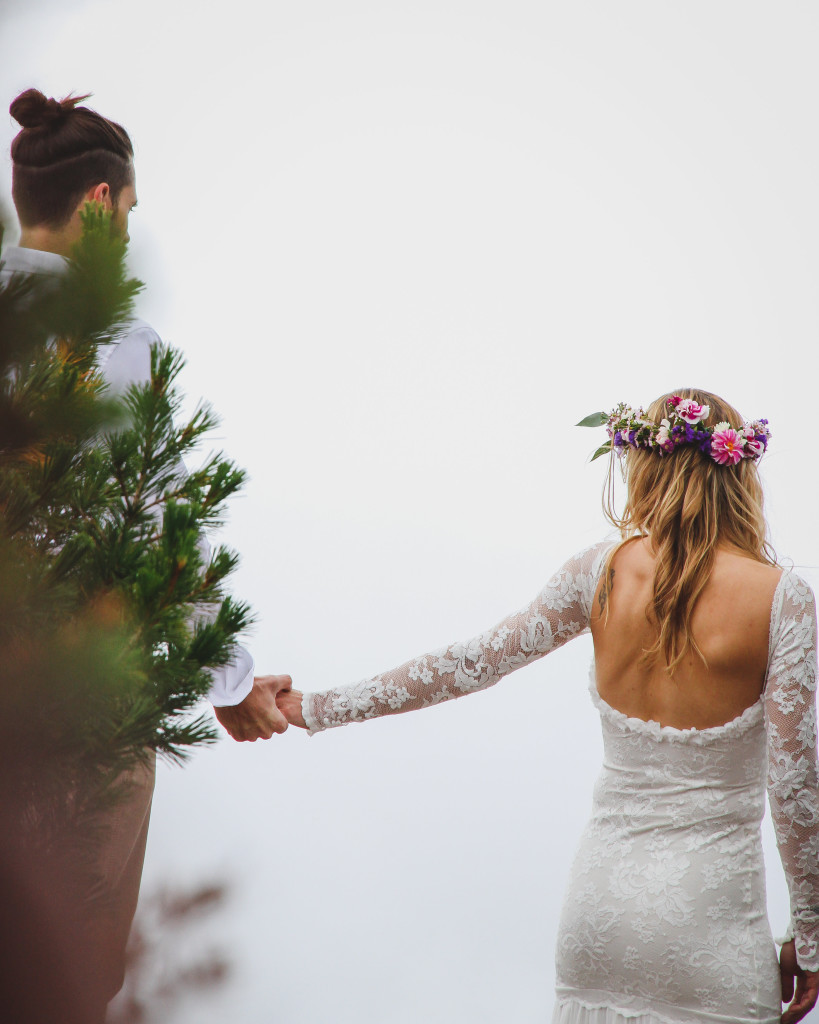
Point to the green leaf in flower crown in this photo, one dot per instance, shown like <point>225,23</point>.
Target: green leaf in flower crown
<point>604,449</point>
<point>596,419</point>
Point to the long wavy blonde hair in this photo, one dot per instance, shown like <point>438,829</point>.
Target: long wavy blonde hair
<point>686,504</point>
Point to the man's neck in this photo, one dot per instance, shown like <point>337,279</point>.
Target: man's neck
<point>47,240</point>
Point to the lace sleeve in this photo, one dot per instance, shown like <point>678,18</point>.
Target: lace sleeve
<point>793,787</point>
<point>559,612</point>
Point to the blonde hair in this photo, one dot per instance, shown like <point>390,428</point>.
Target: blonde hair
<point>686,504</point>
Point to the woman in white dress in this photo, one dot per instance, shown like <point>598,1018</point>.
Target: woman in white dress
<point>704,675</point>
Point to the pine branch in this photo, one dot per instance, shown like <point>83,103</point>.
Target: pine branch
<point>110,615</point>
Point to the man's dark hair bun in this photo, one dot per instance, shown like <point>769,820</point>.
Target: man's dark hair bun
<point>62,150</point>
<point>32,109</point>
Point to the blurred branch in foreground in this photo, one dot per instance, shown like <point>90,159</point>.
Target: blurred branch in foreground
<point>166,968</point>
<point>111,613</point>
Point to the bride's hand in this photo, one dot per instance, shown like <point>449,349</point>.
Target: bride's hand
<point>289,703</point>
<point>807,985</point>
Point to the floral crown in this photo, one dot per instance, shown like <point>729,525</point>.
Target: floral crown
<point>727,445</point>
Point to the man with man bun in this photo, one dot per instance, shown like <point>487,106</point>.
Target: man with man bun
<point>65,156</point>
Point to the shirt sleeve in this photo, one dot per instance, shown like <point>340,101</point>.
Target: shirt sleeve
<point>793,782</point>
<point>230,683</point>
<point>559,612</point>
<point>127,362</point>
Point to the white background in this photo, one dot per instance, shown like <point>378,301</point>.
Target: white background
<point>405,246</point>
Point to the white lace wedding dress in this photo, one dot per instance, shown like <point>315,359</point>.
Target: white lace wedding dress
<point>665,920</point>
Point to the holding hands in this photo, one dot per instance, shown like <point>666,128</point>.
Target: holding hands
<point>289,704</point>
<point>268,709</point>
<point>257,717</point>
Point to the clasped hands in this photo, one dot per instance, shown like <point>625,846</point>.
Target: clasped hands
<point>269,708</point>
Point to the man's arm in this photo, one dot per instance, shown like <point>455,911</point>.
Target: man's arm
<point>244,705</point>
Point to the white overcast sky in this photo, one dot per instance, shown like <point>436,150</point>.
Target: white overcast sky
<point>405,246</point>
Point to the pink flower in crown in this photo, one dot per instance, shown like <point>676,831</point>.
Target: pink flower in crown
<point>690,411</point>
<point>727,445</point>
<point>662,438</point>
<point>753,447</point>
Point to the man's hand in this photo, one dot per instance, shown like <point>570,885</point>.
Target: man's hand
<point>807,985</point>
<point>257,717</point>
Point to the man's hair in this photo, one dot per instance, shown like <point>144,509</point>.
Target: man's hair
<point>61,152</point>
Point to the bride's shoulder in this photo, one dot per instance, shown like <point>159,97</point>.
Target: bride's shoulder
<point>591,558</point>
<point>738,567</point>
<point>633,556</point>
<point>767,592</point>
<point>796,591</point>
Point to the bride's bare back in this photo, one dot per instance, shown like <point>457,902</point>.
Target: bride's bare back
<point>730,623</point>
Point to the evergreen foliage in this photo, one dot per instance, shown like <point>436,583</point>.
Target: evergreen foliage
<point>111,605</point>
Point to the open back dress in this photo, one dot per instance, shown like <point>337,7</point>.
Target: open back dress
<point>665,918</point>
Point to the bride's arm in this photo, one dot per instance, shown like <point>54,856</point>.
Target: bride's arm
<point>793,779</point>
<point>558,613</point>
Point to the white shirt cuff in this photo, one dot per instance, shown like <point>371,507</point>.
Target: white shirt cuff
<point>231,683</point>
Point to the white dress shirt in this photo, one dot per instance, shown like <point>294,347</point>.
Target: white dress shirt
<point>124,362</point>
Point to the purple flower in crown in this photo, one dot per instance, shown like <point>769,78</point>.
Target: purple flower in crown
<point>727,445</point>
<point>689,410</point>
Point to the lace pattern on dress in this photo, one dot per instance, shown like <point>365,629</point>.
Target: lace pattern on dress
<point>793,786</point>
<point>750,717</point>
<point>559,612</point>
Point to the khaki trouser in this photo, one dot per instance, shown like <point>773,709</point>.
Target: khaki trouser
<point>63,958</point>
<point>112,902</point>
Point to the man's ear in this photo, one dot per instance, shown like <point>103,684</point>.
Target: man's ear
<point>100,194</point>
